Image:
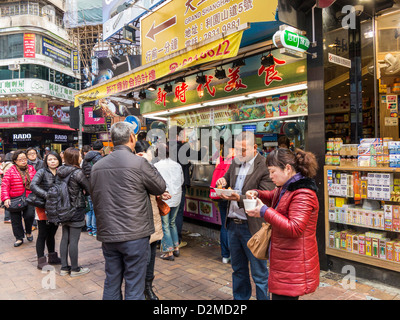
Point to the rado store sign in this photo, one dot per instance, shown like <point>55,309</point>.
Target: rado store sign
<point>60,138</point>
<point>17,137</point>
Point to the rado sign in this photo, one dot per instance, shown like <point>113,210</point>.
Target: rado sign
<point>60,138</point>
<point>22,137</point>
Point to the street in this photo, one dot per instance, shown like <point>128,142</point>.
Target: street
<point>197,274</point>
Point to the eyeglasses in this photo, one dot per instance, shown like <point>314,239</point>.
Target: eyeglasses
<point>31,153</point>
<point>22,160</point>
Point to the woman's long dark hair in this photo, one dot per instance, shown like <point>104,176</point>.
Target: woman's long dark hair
<point>302,161</point>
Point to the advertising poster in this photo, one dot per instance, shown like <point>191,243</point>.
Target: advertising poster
<point>29,45</point>
<point>56,51</point>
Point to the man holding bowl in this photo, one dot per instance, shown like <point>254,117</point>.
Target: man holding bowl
<point>248,171</point>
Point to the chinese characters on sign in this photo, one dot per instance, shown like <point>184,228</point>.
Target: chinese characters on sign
<point>29,45</point>
<point>270,73</point>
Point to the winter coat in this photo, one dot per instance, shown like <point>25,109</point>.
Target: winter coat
<point>120,188</point>
<point>38,164</point>
<point>41,183</point>
<point>12,185</point>
<point>294,263</point>
<point>90,159</point>
<point>158,233</point>
<point>4,167</point>
<point>76,185</point>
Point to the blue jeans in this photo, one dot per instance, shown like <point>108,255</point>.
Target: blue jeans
<point>90,217</point>
<point>125,261</point>
<point>170,239</point>
<point>241,255</point>
<point>223,238</point>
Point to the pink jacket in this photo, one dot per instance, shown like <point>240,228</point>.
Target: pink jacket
<point>12,185</point>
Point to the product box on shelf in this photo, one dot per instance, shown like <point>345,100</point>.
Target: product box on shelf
<point>382,248</point>
<point>390,250</point>
<point>361,244</point>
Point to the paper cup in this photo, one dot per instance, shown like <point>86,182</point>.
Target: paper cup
<point>249,204</point>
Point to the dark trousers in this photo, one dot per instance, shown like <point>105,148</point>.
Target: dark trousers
<point>241,257</point>
<point>69,247</point>
<point>179,215</point>
<point>125,260</point>
<point>223,239</point>
<point>151,261</point>
<point>16,222</point>
<point>46,237</point>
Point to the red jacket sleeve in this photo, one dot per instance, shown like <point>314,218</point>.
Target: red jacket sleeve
<point>5,186</point>
<point>266,196</point>
<point>301,206</point>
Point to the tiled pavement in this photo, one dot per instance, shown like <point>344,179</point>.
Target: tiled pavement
<point>197,274</point>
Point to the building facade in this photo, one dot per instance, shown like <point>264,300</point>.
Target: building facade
<point>39,75</point>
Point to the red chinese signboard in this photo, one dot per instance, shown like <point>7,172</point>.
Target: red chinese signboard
<point>29,45</point>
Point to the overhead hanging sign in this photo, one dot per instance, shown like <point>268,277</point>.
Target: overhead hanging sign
<point>220,49</point>
<point>182,23</point>
<point>289,39</point>
<point>339,60</point>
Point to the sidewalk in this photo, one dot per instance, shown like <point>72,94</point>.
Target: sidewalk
<point>197,274</point>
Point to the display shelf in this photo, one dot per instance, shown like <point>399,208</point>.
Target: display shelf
<point>377,262</point>
<point>344,254</point>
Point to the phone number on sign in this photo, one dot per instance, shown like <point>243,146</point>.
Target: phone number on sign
<point>221,50</point>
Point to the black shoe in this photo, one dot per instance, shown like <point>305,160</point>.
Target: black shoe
<point>148,290</point>
<point>29,238</point>
<point>166,257</point>
<point>176,253</point>
<point>18,243</point>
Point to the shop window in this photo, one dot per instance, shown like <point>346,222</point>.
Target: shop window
<point>13,45</point>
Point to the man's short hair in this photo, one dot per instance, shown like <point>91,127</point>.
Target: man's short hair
<point>120,132</point>
<point>98,145</point>
<point>246,135</point>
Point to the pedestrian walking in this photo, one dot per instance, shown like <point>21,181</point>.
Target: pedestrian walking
<point>182,153</point>
<point>91,157</point>
<point>172,173</point>
<point>78,186</point>
<point>41,183</point>
<point>142,150</point>
<point>292,211</point>
<point>16,183</point>
<point>120,186</point>
<point>248,171</point>
<point>223,162</point>
<point>5,165</point>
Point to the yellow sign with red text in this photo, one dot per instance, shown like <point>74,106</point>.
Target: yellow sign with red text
<point>182,23</point>
<point>223,48</point>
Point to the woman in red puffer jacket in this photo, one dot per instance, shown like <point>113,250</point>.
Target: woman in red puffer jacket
<point>292,210</point>
<point>15,181</point>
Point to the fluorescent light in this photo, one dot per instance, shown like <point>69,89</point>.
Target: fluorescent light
<point>156,118</point>
<point>226,101</point>
<point>279,91</point>
<point>195,106</point>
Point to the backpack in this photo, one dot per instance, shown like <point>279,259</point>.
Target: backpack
<point>58,203</point>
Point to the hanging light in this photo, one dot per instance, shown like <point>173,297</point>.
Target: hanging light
<point>142,94</point>
<point>268,60</point>
<point>179,80</point>
<point>153,87</point>
<point>220,73</point>
<point>238,63</point>
<point>168,88</point>
<point>201,79</point>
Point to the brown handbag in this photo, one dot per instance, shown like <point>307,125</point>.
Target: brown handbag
<point>259,242</point>
<point>162,207</point>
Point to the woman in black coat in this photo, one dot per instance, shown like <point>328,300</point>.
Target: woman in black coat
<point>78,187</point>
<point>40,184</point>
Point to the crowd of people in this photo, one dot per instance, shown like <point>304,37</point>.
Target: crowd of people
<point>137,181</point>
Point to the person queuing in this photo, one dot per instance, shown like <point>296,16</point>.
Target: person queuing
<point>120,188</point>
<point>78,186</point>
<point>7,164</point>
<point>91,157</point>
<point>292,211</point>
<point>248,171</point>
<point>41,183</point>
<point>224,160</point>
<point>142,150</point>
<point>172,173</point>
<point>35,161</point>
<point>16,182</point>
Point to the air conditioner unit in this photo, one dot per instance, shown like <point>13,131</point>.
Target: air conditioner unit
<point>13,67</point>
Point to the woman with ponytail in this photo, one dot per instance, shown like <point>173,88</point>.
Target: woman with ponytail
<point>292,210</point>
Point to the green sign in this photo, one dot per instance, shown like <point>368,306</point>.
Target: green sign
<point>291,40</point>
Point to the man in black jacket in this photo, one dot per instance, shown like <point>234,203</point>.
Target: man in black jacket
<point>120,188</point>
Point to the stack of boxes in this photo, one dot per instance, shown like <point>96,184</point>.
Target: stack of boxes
<point>373,244</point>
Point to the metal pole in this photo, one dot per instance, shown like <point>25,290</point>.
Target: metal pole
<point>376,93</point>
